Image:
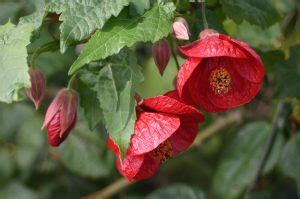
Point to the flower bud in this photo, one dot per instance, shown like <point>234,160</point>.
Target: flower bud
<point>61,116</point>
<point>181,29</point>
<point>161,54</point>
<point>38,87</point>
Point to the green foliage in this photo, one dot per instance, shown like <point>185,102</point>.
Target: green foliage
<point>13,64</point>
<point>17,190</point>
<point>177,191</point>
<point>241,158</point>
<point>121,32</point>
<point>140,5</point>
<point>258,12</point>
<point>83,154</point>
<point>287,74</point>
<point>290,160</point>
<point>115,85</point>
<point>80,18</point>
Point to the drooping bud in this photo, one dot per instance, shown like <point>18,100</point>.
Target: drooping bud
<point>61,116</point>
<point>181,29</point>
<point>161,54</point>
<point>38,87</point>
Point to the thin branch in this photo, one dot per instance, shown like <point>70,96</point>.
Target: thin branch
<point>171,41</point>
<point>206,133</point>
<point>205,24</point>
<point>276,125</point>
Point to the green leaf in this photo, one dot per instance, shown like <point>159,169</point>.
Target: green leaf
<point>121,32</point>
<point>140,5</point>
<point>116,84</point>
<point>290,159</point>
<point>258,12</point>
<point>287,75</point>
<point>84,153</point>
<point>90,104</point>
<point>80,18</point>
<point>7,165</point>
<point>36,18</point>
<point>8,11</point>
<point>241,159</point>
<point>13,62</point>
<point>177,191</point>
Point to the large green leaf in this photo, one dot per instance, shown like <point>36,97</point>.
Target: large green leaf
<point>290,159</point>
<point>121,32</point>
<point>177,191</point>
<point>13,62</point>
<point>241,159</point>
<point>15,190</point>
<point>115,87</point>
<point>84,153</point>
<point>258,12</point>
<point>80,17</point>
<point>287,75</point>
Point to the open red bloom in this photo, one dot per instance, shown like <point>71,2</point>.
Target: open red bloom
<point>164,127</point>
<point>61,116</point>
<point>220,73</point>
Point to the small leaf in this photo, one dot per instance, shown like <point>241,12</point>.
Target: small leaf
<point>13,59</point>
<point>177,191</point>
<point>258,12</point>
<point>241,159</point>
<point>120,32</point>
<point>80,18</point>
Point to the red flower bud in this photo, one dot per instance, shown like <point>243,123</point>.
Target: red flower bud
<point>220,73</point>
<point>181,29</point>
<point>161,54</point>
<point>61,116</point>
<point>38,87</point>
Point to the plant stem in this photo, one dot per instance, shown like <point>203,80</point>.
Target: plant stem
<point>205,24</point>
<point>220,123</point>
<point>70,83</point>
<point>276,125</point>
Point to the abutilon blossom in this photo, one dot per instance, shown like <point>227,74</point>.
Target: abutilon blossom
<point>165,126</point>
<point>181,29</point>
<point>38,87</point>
<point>219,73</point>
<point>61,116</point>
<point>161,54</point>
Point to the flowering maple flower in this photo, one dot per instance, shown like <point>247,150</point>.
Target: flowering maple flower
<point>181,29</point>
<point>38,87</point>
<point>161,54</point>
<point>220,73</point>
<point>165,126</point>
<point>61,116</point>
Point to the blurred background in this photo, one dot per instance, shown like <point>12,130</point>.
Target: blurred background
<point>221,165</point>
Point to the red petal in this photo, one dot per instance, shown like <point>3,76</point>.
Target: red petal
<point>149,167</point>
<point>171,105</point>
<point>184,75</point>
<point>184,136</point>
<point>54,107</point>
<point>242,91</point>
<point>252,68</point>
<point>68,110</point>
<point>213,46</point>
<point>199,86</point>
<point>130,166</point>
<point>151,129</point>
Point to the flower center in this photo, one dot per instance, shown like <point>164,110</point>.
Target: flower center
<point>220,81</point>
<point>163,151</point>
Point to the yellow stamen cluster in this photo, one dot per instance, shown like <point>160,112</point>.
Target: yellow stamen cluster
<point>220,81</point>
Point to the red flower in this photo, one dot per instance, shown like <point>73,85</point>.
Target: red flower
<point>220,73</point>
<point>38,87</point>
<point>61,116</point>
<point>161,54</point>
<point>165,126</point>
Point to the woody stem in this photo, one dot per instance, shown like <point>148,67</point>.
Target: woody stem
<point>205,24</point>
